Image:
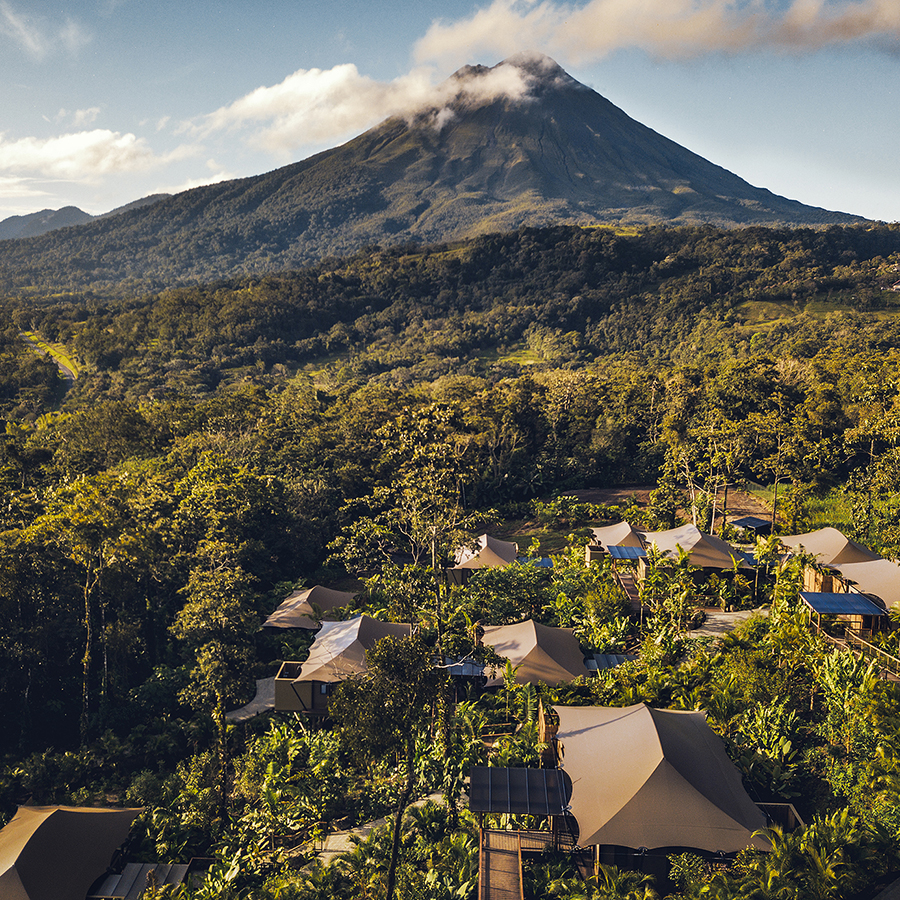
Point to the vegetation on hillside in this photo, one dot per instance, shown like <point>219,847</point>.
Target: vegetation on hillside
<point>353,421</point>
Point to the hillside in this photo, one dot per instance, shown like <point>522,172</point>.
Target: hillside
<point>560,153</point>
<point>494,306</point>
<point>34,224</point>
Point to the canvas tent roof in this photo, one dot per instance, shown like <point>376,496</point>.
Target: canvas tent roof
<point>877,577</point>
<point>705,550</point>
<point>653,778</point>
<point>545,654</point>
<point>489,552</point>
<point>339,649</point>
<point>297,610</point>
<point>829,546</point>
<point>619,535</point>
<point>57,852</point>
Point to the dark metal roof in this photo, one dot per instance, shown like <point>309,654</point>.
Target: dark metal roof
<point>131,884</point>
<point>533,792</point>
<point>600,661</point>
<point>841,604</point>
<point>621,552</point>
<point>752,523</point>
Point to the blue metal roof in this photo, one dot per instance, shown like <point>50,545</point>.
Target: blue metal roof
<point>841,604</point>
<point>617,552</point>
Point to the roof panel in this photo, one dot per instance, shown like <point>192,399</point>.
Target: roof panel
<point>533,792</point>
<point>621,552</point>
<point>840,604</point>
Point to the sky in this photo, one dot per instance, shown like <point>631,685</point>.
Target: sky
<point>106,101</point>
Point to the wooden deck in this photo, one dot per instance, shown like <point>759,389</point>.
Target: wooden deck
<point>626,580</point>
<point>500,859</point>
<point>500,866</point>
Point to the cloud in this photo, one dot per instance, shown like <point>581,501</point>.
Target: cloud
<point>37,36</point>
<point>314,106</point>
<point>218,173</point>
<point>78,116</point>
<point>585,32</point>
<point>83,154</point>
<point>18,187</point>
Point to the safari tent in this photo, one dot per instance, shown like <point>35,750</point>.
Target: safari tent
<point>486,553</point>
<point>57,852</point>
<point>301,608</point>
<point>651,778</point>
<point>542,654</point>
<point>829,546</point>
<point>706,551</point>
<point>619,535</point>
<point>879,578</point>
<point>338,652</point>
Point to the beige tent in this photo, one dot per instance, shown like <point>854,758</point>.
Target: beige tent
<point>299,609</point>
<point>339,649</point>
<point>877,577</point>
<point>489,552</point>
<point>545,654</point>
<point>57,852</point>
<point>653,778</point>
<point>706,551</point>
<point>829,546</point>
<point>620,535</point>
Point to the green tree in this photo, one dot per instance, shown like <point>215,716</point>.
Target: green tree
<point>216,627</point>
<point>386,711</point>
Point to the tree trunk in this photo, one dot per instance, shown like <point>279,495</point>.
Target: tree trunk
<point>405,797</point>
<point>86,662</point>
<point>222,754</point>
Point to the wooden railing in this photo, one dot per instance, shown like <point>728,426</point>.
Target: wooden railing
<point>852,640</point>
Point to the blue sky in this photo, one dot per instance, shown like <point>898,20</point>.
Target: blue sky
<point>105,101</point>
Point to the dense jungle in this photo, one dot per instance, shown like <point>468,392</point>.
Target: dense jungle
<point>352,423</point>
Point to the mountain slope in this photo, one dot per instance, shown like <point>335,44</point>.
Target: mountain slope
<point>41,222</point>
<point>34,224</point>
<point>560,153</point>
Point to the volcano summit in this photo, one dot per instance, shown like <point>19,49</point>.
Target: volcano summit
<point>521,143</point>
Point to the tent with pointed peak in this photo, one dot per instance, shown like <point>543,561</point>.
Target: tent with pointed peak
<point>57,852</point>
<point>301,608</point>
<point>541,653</point>
<point>644,777</point>
<point>339,649</point>
<point>706,551</point>
<point>876,578</point>
<point>488,552</point>
<point>619,535</point>
<point>829,546</point>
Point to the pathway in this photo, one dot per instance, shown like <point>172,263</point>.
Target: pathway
<point>719,622</point>
<point>339,842</point>
<point>500,866</point>
<point>262,702</point>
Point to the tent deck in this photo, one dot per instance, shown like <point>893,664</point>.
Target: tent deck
<point>500,866</point>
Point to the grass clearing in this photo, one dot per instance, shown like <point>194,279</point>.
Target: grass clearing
<point>59,353</point>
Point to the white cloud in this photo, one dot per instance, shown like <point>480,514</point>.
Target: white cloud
<point>83,154</point>
<point>581,33</point>
<point>38,36</point>
<point>215,178</point>
<point>313,106</point>
<point>18,187</point>
<point>78,117</point>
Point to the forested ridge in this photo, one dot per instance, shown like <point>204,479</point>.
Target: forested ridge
<point>359,418</point>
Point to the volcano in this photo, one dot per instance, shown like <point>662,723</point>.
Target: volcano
<point>482,160</point>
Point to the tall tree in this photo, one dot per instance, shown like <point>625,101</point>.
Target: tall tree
<point>386,711</point>
<point>216,627</point>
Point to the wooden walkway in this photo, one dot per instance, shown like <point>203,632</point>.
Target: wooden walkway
<point>500,859</point>
<point>500,866</point>
<point>626,580</point>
